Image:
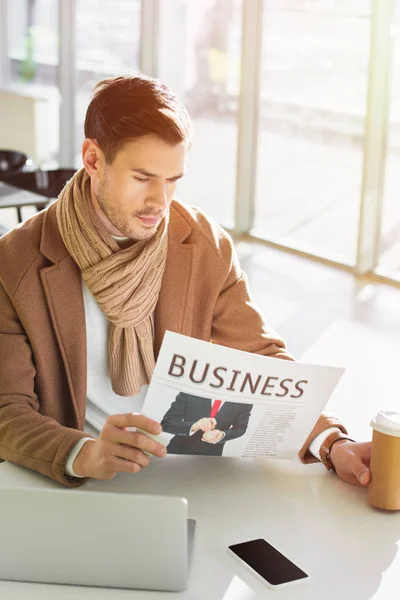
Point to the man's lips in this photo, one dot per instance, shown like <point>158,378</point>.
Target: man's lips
<point>149,221</point>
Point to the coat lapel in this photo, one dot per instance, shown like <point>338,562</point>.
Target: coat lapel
<point>224,409</point>
<point>207,403</point>
<point>63,290</point>
<point>173,311</point>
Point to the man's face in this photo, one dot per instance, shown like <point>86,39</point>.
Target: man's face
<point>133,193</point>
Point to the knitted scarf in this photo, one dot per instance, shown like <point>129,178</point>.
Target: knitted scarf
<point>125,283</point>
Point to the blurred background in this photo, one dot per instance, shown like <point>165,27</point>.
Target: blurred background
<point>296,105</point>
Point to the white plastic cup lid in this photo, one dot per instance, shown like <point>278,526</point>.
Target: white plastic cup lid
<point>387,422</point>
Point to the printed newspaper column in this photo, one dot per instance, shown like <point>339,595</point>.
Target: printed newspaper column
<point>269,435</point>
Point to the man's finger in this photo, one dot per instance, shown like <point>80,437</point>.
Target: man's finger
<point>136,420</point>
<point>135,439</point>
<point>361,471</point>
<point>362,455</point>
<point>363,476</point>
<point>131,454</point>
<point>119,465</point>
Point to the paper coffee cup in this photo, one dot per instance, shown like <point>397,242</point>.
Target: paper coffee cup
<point>384,488</point>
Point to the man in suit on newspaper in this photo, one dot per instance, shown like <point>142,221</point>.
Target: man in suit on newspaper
<point>203,426</point>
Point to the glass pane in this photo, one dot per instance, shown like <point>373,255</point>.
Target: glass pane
<point>107,44</point>
<point>200,44</point>
<point>33,56</point>
<point>390,233</point>
<point>313,99</point>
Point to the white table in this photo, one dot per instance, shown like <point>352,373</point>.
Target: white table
<point>326,526</point>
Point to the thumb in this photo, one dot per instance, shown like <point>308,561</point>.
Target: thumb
<point>363,475</point>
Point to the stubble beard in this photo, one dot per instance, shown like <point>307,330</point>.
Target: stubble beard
<point>126,228</point>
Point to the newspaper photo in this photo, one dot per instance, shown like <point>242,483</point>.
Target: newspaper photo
<point>217,401</point>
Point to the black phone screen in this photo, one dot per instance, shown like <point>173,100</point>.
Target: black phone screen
<point>268,562</point>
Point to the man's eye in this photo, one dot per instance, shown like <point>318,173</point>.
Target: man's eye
<point>141,179</point>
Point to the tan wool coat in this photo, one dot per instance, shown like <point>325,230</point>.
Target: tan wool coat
<point>43,368</point>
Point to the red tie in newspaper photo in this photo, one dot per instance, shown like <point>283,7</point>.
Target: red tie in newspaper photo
<point>215,408</point>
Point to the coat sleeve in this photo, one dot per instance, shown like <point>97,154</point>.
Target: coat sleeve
<point>28,438</point>
<point>238,323</point>
<point>174,421</point>
<point>239,425</point>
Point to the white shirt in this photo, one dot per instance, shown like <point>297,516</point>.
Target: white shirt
<point>102,401</point>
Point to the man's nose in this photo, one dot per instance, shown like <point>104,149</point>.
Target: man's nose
<point>158,198</point>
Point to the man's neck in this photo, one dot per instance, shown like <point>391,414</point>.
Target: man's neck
<point>123,242</point>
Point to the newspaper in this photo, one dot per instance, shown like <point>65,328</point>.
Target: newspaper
<point>213,400</point>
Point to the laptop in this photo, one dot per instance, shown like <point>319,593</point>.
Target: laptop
<point>98,538</point>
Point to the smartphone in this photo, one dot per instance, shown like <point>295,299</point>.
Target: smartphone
<point>268,562</point>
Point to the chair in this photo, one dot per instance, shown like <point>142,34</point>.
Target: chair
<point>45,183</point>
<point>12,161</point>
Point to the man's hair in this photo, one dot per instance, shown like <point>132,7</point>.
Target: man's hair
<point>129,107</point>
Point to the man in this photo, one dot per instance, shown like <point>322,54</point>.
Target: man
<point>89,287</point>
<point>203,426</point>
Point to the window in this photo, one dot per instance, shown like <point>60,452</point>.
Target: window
<point>313,100</point>
<point>199,58</point>
<point>390,232</point>
<point>33,58</point>
<point>107,44</point>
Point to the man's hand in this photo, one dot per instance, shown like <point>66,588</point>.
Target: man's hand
<point>351,461</point>
<point>205,424</point>
<point>119,450</point>
<point>212,437</point>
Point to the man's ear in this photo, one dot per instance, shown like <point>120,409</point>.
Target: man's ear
<point>93,158</point>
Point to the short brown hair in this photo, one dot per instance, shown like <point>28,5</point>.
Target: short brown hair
<point>129,107</point>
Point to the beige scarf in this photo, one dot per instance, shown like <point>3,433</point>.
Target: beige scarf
<point>125,283</point>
